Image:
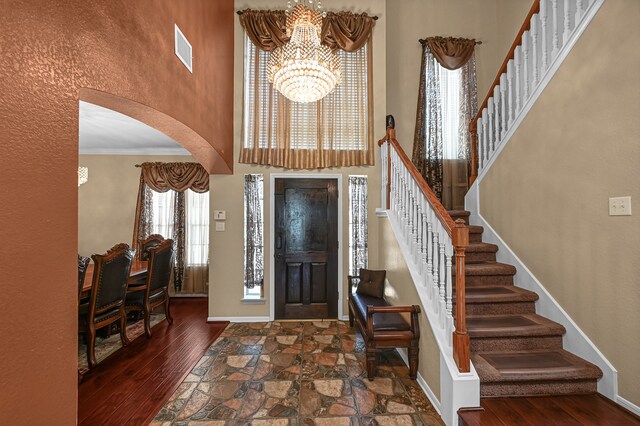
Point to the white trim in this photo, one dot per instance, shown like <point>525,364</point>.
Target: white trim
<point>253,301</point>
<point>574,340</point>
<point>422,382</point>
<point>272,218</point>
<point>628,405</point>
<point>548,75</point>
<point>344,318</point>
<point>239,319</point>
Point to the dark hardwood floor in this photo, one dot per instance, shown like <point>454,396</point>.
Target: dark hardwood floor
<point>547,411</point>
<point>131,386</point>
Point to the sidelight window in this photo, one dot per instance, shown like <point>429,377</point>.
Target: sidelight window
<point>253,235</point>
<point>358,231</point>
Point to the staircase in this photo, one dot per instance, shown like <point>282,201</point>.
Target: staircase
<point>515,351</point>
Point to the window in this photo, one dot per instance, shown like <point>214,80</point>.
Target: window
<point>197,228</point>
<point>358,231</point>
<point>450,90</point>
<point>253,236</point>
<point>196,222</point>
<point>340,122</point>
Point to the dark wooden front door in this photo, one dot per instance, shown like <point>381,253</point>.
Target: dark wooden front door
<point>306,248</point>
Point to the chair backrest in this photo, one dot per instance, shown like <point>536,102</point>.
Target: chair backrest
<point>83,263</point>
<point>149,242</point>
<point>110,277</point>
<point>160,266</point>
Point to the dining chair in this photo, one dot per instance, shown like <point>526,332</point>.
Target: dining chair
<point>108,291</point>
<point>149,242</point>
<point>83,263</point>
<point>155,291</point>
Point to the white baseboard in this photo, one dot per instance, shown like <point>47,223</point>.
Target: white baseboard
<point>628,405</point>
<point>344,318</point>
<point>239,319</point>
<point>422,382</point>
<point>574,340</point>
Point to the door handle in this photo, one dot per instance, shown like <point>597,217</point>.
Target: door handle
<point>279,242</point>
<point>279,256</point>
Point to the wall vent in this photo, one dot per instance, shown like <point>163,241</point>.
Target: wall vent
<point>183,49</point>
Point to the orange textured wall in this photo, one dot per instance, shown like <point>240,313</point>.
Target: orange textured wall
<point>49,50</point>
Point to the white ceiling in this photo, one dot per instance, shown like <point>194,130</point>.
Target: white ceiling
<point>104,131</point>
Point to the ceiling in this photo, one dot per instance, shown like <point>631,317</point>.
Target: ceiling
<point>104,131</point>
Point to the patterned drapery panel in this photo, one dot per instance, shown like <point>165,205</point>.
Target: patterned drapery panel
<point>253,225</point>
<point>427,142</point>
<point>358,230</point>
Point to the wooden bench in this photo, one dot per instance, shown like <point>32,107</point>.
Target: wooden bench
<point>383,326</point>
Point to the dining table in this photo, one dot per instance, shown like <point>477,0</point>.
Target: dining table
<point>137,274</point>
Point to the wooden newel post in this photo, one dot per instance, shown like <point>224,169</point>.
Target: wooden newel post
<point>391,135</point>
<point>474,151</point>
<point>461,341</point>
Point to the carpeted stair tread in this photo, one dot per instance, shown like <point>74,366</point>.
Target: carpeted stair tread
<point>475,229</point>
<point>533,366</point>
<point>499,294</point>
<point>512,325</point>
<point>460,214</point>
<point>488,268</point>
<point>482,247</point>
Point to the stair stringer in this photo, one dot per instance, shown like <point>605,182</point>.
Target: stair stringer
<point>457,390</point>
<point>574,340</point>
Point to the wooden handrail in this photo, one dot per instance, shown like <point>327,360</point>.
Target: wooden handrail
<point>436,205</point>
<point>473,126</point>
<point>459,233</point>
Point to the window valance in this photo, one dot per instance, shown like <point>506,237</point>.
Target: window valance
<point>179,177</point>
<point>340,30</point>
<point>450,52</point>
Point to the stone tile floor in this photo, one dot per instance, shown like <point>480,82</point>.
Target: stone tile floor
<point>295,373</point>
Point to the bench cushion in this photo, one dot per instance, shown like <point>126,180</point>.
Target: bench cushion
<point>381,321</point>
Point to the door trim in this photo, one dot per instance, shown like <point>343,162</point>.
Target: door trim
<point>272,225</point>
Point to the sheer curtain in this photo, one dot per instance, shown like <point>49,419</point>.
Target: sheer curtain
<point>447,102</point>
<point>196,273</point>
<point>253,237</point>
<point>358,224</point>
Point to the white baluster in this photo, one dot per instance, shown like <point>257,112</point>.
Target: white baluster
<point>510,92</point>
<point>443,270</point>
<point>556,31</point>
<point>517,63</point>
<point>567,22</point>
<point>486,132</point>
<point>534,52</point>
<point>492,135</point>
<point>545,32</point>
<point>496,116</point>
<point>424,269</point>
<point>449,292</point>
<point>435,253</point>
<point>429,243</point>
<point>526,75</point>
<point>579,11</point>
<point>503,104</point>
<point>481,143</point>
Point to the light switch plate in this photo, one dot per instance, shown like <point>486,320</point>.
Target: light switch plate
<point>220,226</point>
<point>219,215</point>
<point>620,206</point>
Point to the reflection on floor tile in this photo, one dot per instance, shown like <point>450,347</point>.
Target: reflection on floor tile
<point>295,374</point>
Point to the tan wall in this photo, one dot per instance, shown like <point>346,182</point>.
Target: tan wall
<point>227,248</point>
<point>107,202</point>
<point>410,20</point>
<point>50,50</point>
<point>402,291</point>
<point>547,194</point>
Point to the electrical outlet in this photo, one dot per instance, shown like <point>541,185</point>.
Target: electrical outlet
<point>620,206</point>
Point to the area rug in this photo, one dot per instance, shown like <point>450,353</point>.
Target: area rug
<point>109,345</point>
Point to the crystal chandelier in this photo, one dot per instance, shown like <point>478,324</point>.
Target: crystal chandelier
<point>304,70</point>
<point>83,175</point>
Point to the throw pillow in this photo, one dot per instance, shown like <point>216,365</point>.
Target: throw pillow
<point>371,283</point>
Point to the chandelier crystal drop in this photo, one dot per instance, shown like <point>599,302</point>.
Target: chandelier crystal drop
<point>304,70</point>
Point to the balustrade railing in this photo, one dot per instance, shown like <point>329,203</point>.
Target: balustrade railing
<point>433,239</point>
<point>549,28</point>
